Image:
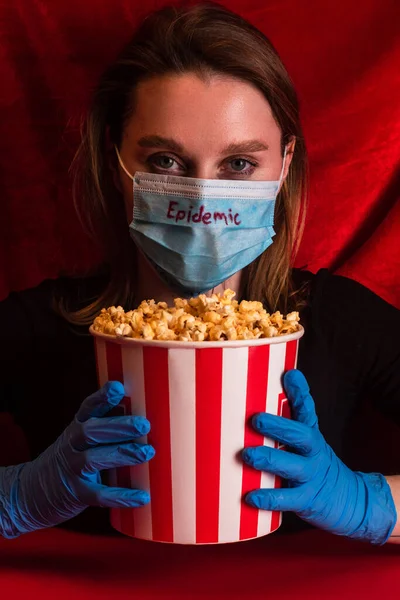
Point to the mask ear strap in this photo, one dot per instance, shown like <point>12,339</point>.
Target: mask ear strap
<point>283,167</point>
<point>122,164</point>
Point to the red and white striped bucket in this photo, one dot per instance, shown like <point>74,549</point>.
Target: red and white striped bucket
<point>199,398</point>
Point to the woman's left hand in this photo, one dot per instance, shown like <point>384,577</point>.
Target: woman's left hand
<point>321,489</point>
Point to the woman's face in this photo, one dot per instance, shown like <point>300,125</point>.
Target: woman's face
<point>219,128</point>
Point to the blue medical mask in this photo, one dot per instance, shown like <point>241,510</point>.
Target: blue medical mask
<point>199,232</point>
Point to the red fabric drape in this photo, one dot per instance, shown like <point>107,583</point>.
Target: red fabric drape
<point>344,59</point>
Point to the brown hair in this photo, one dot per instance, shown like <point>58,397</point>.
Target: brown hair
<point>204,39</point>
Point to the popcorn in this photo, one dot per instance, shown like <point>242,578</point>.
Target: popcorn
<point>216,318</point>
<point>124,329</point>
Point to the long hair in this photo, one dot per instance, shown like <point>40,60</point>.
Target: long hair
<point>203,39</point>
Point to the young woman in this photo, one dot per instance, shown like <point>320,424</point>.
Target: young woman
<point>197,105</point>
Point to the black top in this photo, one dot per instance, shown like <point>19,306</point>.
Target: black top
<point>350,355</point>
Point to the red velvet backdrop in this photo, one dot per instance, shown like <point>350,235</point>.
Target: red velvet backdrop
<point>344,59</point>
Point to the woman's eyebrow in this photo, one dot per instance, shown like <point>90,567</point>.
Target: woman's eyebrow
<point>249,146</point>
<point>157,141</point>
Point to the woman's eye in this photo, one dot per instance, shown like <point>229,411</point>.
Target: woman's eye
<point>239,164</point>
<point>164,162</point>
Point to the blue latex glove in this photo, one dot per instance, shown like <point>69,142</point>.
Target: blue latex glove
<point>65,479</point>
<point>322,490</point>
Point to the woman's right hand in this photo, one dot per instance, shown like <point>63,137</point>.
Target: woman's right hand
<point>65,478</point>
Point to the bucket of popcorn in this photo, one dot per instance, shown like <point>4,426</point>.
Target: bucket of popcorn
<point>198,371</point>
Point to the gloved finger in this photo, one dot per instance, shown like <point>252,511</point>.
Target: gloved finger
<point>297,436</point>
<point>109,457</point>
<point>286,465</point>
<point>112,497</point>
<point>301,402</point>
<point>275,499</point>
<point>109,430</point>
<point>101,402</point>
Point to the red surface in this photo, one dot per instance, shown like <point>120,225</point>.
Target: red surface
<point>344,59</point>
<point>311,565</point>
<point>208,427</point>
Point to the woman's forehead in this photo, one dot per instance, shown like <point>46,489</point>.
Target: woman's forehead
<point>185,108</point>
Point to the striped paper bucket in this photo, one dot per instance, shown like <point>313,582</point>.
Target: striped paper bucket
<point>198,397</point>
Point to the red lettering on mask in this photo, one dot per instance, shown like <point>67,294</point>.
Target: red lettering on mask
<point>171,209</point>
<point>201,216</point>
<point>219,217</point>
<point>197,217</point>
